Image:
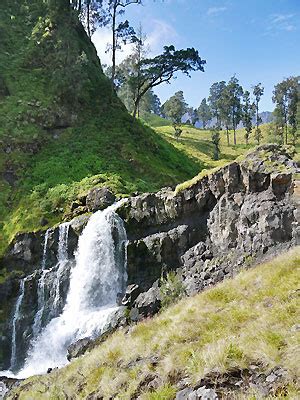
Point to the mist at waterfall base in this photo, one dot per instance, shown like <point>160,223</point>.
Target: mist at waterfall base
<point>98,275</point>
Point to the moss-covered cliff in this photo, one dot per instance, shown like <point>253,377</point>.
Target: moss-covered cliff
<point>62,128</point>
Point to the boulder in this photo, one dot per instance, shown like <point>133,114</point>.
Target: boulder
<point>99,199</point>
<point>131,294</point>
<point>78,348</point>
<point>148,303</point>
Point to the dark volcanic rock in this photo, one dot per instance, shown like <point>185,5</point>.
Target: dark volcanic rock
<point>78,348</point>
<point>99,199</point>
<point>148,303</point>
<point>131,294</point>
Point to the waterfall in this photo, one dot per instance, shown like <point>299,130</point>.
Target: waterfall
<point>16,318</point>
<point>62,258</point>
<point>45,249</point>
<point>97,277</point>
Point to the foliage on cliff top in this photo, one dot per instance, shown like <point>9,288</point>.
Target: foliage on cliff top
<point>266,158</point>
<point>62,128</point>
<point>247,322</point>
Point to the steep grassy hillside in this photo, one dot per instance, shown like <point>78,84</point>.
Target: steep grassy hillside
<point>62,128</point>
<point>240,338</point>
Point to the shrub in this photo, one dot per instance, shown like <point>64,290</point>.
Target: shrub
<point>171,289</point>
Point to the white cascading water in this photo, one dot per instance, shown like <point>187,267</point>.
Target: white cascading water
<point>15,320</point>
<point>41,290</point>
<point>96,279</point>
<point>56,272</point>
<point>62,259</point>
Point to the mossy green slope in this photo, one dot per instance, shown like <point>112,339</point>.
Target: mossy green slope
<point>247,322</point>
<point>62,128</point>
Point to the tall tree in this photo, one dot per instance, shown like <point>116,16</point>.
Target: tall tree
<point>192,116</point>
<point>215,100</point>
<point>204,113</point>
<point>162,68</point>
<point>139,54</point>
<point>285,96</point>
<point>298,113</point>
<point>235,92</point>
<point>128,76</point>
<point>215,138</point>
<point>225,111</point>
<point>90,13</point>
<point>280,98</point>
<point>248,112</point>
<point>122,32</point>
<point>258,91</point>
<point>175,108</point>
<point>294,99</point>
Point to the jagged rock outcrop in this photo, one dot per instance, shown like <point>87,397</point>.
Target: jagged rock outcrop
<point>232,217</point>
<point>206,231</point>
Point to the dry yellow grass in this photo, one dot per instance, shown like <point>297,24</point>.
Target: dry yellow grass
<point>243,321</point>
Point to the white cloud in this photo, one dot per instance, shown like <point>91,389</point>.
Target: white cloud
<point>101,39</point>
<point>282,22</point>
<point>159,35</point>
<point>281,17</point>
<point>213,11</point>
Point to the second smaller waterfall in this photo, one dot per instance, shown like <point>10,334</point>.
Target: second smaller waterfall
<point>15,320</point>
<point>50,279</point>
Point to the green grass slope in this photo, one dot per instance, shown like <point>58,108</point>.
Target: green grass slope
<point>245,324</point>
<point>197,144</point>
<point>62,128</point>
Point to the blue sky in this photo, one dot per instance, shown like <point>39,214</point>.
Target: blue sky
<point>258,40</point>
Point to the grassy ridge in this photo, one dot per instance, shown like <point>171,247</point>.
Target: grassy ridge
<point>243,322</point>
<point>62,128</point>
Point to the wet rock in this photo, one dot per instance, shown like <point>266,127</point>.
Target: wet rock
<point>99,199</point>
<point>79,223</point>
<point>7,384</point>
<point>78,348</point>
<point>134,315</point>
<point>116,320</point>
<point>131,294</point>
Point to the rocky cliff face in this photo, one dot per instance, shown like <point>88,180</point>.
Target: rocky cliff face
<point>234,216</point>
<point>205,232</point>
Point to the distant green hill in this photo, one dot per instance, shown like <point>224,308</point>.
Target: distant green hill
<point>62,128</point>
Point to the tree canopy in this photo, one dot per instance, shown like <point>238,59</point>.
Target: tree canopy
<point>162,68</point>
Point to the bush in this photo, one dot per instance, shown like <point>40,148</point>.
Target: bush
<point>171,289</point>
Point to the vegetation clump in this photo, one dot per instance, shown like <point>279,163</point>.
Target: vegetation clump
<point>171,289</point>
